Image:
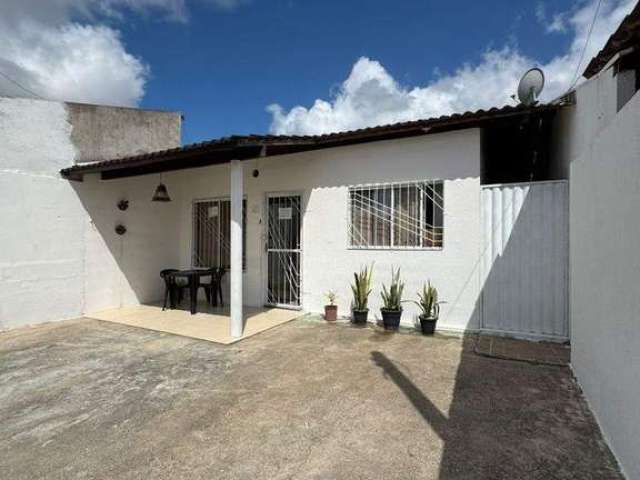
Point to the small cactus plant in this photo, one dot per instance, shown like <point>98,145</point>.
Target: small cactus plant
<point>331,297</point>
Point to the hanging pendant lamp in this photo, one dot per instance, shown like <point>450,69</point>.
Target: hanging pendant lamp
<point>161,194</point>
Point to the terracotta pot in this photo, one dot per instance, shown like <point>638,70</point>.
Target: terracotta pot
<point>330,313</point>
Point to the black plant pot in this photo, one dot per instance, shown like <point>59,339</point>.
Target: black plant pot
<point>391,318</point>
<point>359,316</point>
<point>428,324</point>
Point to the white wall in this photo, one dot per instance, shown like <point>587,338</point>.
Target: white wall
<point>124,269</point>
<point>603,151</point>
<point>323,178</point>
<point>41,239</point>
<point>59,255</point>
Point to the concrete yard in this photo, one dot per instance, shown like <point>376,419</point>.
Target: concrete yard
<point>87,399</point>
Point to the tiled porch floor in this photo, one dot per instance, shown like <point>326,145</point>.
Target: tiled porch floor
<point>210,323</point>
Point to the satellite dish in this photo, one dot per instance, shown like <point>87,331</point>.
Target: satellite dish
<point>530,86</point>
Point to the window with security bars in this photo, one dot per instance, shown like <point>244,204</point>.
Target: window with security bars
<point>212,233</point>
<point>397,215</point>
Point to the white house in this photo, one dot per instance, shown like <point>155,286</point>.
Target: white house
<point>525,219</point>
<point>318,208</point>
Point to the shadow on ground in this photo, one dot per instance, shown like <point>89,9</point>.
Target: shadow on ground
<point>306,400</point>
<point>504,423</point>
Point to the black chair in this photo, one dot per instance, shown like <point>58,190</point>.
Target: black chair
<point>174,287</point>
<point>213,290</point>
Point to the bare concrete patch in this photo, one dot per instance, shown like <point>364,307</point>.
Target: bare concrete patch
<point>523,350</point>
<point>307,400</point>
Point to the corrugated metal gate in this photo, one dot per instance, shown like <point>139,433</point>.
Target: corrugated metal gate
<point>525,259</point>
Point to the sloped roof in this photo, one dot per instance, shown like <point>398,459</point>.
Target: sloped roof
<point>627,35</point>
<point>243,147</point>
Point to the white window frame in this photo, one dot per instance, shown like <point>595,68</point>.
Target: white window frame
<point>391,246</point>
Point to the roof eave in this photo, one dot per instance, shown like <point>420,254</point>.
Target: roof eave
<point>254,146</point>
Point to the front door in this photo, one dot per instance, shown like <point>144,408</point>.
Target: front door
<point>283,250</point>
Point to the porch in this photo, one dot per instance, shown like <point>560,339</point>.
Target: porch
<point>210,323</point>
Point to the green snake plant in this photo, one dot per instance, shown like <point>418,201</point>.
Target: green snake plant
<point>392,297</point>
<point>428,301</point>
<point>361,288</point>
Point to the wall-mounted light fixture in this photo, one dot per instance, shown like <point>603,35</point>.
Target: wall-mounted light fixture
<point>121,229</point>
<point>123,205</point>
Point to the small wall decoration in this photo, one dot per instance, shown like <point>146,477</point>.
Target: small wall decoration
<point>121,229</point>
<point>123,205</point>
<point>255,173</point>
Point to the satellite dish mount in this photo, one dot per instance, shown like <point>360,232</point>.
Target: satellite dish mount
<point>530,86</point>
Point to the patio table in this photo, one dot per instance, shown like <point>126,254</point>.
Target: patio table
<point>193,279</point>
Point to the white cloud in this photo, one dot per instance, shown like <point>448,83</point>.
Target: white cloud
<point>58,49</point>
<point>557,23</point>
<point>370,95</point>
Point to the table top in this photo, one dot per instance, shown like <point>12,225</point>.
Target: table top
<point>202,272</point>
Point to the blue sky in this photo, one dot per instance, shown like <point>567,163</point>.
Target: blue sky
<point>295,66</point>
<point>223,68</point>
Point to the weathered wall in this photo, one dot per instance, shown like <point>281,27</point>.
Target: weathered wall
<point>323,178</point>
<point>602,149</point>
<point>41,239</point>
<point>59,255</point>
<point>102,133</point>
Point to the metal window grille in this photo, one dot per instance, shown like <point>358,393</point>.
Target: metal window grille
<point>211,246</point>
<point>397,215</point>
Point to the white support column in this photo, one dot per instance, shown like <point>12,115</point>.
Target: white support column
<point>236,179</point>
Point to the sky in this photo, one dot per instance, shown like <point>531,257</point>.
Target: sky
<point>296,66</point>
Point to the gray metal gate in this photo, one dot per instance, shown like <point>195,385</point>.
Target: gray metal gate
<point>525,259</point>
<point>283,250</point>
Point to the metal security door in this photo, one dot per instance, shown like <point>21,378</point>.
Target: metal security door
<point>283,250</point>
<point>525,259</point>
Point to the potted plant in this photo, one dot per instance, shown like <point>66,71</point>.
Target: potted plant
<point>361,288</point>
<point>331,310</point>
<point>430,308</point>
<point>392,301</point>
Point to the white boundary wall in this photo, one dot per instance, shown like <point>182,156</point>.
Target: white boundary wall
<point>59,254</point>
<point>602,149</point>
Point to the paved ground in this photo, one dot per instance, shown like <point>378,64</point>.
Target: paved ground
<point>95,400</point>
